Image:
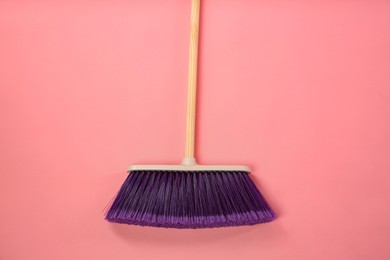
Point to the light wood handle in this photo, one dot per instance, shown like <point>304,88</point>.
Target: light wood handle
<point>192,79</point>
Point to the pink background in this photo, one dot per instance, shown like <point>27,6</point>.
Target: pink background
<point>298,90</point>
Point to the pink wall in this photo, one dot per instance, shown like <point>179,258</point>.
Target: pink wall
<point>298,90</point>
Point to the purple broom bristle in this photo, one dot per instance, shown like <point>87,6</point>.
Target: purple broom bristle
<point>188,199</point>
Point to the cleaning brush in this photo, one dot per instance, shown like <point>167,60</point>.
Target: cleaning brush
<point>189,195</point>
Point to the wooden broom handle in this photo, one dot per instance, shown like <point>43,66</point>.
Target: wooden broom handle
<point>192,78</point>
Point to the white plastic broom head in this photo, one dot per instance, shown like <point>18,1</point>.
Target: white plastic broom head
<point>188,164</point>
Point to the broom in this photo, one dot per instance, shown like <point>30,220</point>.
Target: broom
<point>189,195</point>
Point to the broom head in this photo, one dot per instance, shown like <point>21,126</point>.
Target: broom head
<point>196,196</point>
